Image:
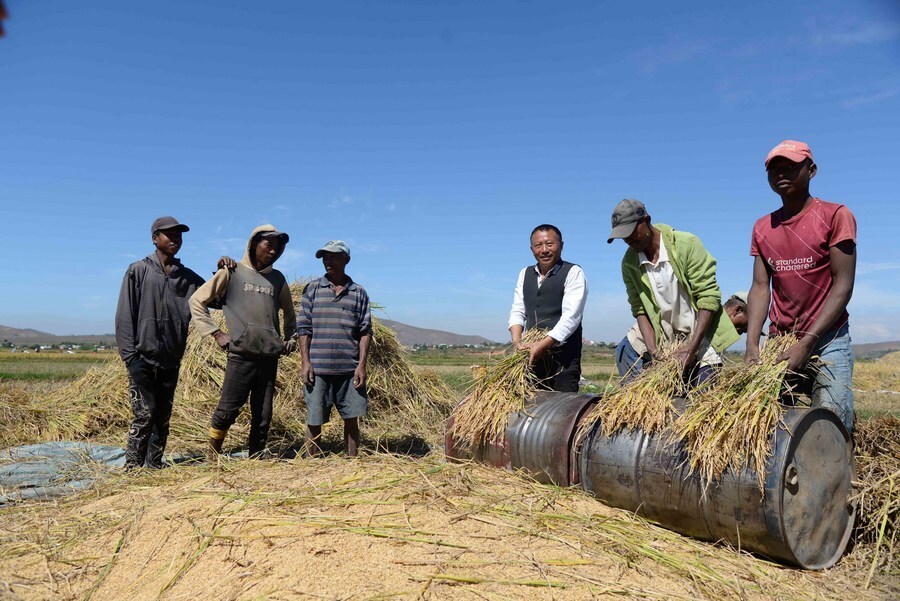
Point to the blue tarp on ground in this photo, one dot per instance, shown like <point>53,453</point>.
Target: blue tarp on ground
<point>53,469</point>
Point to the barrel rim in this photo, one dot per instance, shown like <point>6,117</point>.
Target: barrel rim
<point>784,443</point>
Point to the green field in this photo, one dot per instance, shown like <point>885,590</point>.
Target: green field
<point>48,365</point>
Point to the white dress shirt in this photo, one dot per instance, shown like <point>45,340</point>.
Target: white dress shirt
<point>676,314</point>
<point>575,291</point>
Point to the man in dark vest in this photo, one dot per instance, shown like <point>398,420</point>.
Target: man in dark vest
<point>551,295</point>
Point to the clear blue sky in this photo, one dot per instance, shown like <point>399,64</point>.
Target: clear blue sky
<point>432,137</point>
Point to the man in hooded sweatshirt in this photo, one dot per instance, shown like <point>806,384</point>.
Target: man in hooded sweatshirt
<point>251,296</point>
<point>151,332</point>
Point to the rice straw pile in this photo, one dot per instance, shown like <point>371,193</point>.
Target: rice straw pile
<point>96,406</point>
<point>643,403</point>
<point>498,391</point>
<point>729,424</point>
<point>877,450</point>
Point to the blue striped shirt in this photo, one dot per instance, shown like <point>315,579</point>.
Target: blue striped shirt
<point>335,323</point>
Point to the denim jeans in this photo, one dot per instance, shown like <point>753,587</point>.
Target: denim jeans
<point>630,364</point>
<point>832,385</point>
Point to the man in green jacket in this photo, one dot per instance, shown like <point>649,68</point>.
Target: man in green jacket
<point>672,289</point>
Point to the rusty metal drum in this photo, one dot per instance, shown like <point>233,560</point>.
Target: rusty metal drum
<point>539,439</point>
<point>803,517</point>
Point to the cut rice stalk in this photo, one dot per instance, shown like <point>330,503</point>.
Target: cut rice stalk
<point>498,391</point>
<point>643,403</point>
<point>729,423</point>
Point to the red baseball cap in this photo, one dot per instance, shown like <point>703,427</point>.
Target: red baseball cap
<point>792,150</point>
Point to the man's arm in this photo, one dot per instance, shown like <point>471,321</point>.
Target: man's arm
<point>687,354</point>
<point>700,271</point>
<point>126,316</point>
<point>200,301</point>
<point>359,375</point>
<point>289,327</point>
<point>304,331</point>
<point>647,333</point>
<point>517,311</point>
<point>758,301</point>
<point>843,275</point>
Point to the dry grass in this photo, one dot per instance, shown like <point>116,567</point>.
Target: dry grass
<point>375,527</point>
<point>878,376</point>
<point>96,407</point>
<point>644,402</point>
<point>500,389</point>
<point>877,450</point>
<point>729,424</point>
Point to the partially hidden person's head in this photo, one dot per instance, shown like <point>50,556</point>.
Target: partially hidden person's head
<point>789,167</point>
<point>631,223</point>
<point>265,246</point>
<point>546,246</point>
<point>165,233</point>
<point>736,308</point>
<point>335,255</point>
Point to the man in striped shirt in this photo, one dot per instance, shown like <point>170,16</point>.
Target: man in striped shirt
<point>335,328</point>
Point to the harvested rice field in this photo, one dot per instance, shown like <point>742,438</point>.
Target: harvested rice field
<point>398,522</point>
<point>380,526</point>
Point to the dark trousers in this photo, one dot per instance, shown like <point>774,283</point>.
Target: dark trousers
<point>152,392</point>
<point>248,376</point>
<point>560,370</point>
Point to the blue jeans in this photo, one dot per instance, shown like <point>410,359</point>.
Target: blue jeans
<point>832,385</point>
<point>630,364</point>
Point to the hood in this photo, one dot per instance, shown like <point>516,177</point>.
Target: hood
<point>263,228</point>
<point>153,261</point>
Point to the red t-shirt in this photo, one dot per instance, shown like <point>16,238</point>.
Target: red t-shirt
<point>797,252</point>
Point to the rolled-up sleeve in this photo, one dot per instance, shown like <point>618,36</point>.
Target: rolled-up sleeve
<point>575,291</point>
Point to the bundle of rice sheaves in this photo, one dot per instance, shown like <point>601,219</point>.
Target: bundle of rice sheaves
<point>499,390</point>
<point>877,450</point>
<point>644,402</point>
<point>96,405</point>
<point>729,424</point>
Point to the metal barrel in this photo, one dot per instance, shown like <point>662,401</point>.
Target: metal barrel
<point>539,439</point>
<point>803,517</point>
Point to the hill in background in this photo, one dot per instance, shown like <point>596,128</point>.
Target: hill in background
<point>412,336</point>
<point>409,336</point>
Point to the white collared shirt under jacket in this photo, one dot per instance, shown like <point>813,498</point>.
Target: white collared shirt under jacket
<point>575,291</point>
<point>677,317</point>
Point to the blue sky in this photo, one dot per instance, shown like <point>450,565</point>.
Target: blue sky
<point>432,137</point>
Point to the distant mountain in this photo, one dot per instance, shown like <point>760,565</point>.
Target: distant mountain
<point>874,349</point>
<point>408,335</point>
<point>411,335</point>
<point>27,336</point>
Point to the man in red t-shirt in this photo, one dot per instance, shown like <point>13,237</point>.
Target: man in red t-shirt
<point>806,250</point>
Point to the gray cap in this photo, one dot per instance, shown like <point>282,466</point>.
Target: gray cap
<point>333,246</point>
<point>741,295</point>
<point>275,234</point>
<point>167,223</point>
<point>625,217</point>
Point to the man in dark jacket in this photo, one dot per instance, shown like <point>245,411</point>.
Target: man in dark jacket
<point>151,332</point>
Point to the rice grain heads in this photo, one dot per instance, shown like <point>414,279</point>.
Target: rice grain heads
<point>644,402</point>
<point>499,390</point>
<point>729,424</point>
